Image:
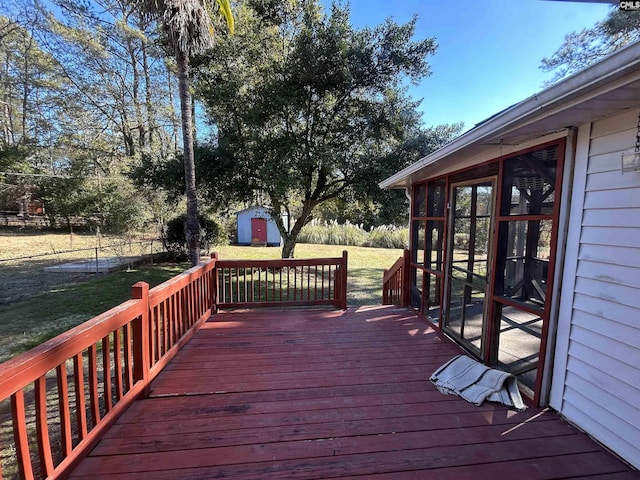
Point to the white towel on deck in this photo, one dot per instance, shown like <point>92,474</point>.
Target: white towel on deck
<point>476,383</point>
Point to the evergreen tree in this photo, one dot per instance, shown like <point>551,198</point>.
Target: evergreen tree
<point>581,49</point>
<point>308,108</point>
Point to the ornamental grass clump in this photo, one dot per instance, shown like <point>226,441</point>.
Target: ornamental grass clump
<point>333,233</point>
<point>347,234</point>
<point>388,236</point>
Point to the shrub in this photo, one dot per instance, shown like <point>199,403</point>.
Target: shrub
<point>313,233</point>
<point>347,234</point>
<point>212,232</point>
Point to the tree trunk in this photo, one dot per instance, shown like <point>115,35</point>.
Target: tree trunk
<point>290,233</point>
<point>151,120</point>
<point>135,93</point>
<point>291,237</point>
<point>25,104</point>
<point>289,246</point>
<point>193,124</point>
<point>25,91</point>
<point>172,111</point>
<point>192,226</point>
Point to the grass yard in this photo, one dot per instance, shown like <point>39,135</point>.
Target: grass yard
<point>365,265</point>
<point>28,323</point>
<point>63,302</point>
<point>17,243</point>
<point>25,254</point>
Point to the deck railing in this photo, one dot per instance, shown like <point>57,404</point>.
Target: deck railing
<point>396,282</point>
<point>284,282</point>
<point>65,393</point>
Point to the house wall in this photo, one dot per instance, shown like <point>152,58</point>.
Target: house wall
<point>244,226</point>
<point>596,379</point>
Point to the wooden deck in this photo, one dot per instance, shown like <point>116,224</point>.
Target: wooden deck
<point>318,394</point>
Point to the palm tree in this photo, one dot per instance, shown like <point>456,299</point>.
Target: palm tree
<point>189,28</point>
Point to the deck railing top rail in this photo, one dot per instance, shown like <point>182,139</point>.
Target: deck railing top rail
<point>282,282</point>
<point>282,262</point>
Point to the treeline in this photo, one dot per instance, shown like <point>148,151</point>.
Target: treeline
<point>87,93</point>
<point>304,114</point>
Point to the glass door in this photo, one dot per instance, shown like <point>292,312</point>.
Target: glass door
<point>469,261</point>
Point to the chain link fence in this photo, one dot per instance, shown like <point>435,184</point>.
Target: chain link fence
<point>24,276</point>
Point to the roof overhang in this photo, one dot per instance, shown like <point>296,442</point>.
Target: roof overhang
<point>603,89</point>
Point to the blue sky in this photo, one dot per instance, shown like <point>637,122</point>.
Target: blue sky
<point>489,50</point>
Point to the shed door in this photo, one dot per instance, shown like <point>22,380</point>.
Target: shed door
<point>258,230</point>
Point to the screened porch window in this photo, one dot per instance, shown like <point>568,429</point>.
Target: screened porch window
<point>526,224</point>
<point>427,247</point>
<point>524,254</point>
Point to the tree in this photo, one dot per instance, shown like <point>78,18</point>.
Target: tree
<point>188,25</point>
<point>111,59</point>
<point>85,85</point>
<point>581,49</point>
<point>30,85</point>
<point>30,92</point>
<point>366,203</point>
<point>305,106</point>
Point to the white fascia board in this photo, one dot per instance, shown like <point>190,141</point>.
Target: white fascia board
<point>625,60</point>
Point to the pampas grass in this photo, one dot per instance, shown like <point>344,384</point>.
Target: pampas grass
<point>333,233</point>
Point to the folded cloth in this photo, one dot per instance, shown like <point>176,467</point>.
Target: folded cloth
<point>476,382</point>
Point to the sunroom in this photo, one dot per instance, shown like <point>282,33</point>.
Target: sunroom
<point>491,217</point>
<point>483,248</point>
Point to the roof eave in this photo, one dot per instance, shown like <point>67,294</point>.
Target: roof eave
<point>624,60</point>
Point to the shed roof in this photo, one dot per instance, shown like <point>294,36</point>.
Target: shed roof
<point>609,86</point>
<point>253,207</point>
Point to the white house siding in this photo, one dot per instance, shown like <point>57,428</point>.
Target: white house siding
<point>596,382</point>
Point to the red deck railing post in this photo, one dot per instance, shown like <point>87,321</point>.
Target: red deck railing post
<point>141,352</point>
<point>406,279</point>
<point>213,300</point>
<point>343,280</point>
<point>385,289</point>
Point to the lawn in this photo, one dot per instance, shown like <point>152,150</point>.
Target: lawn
<point>60,305</point>
<point>27,323</point>
<point>25,254</point>
<point>365,265</point>
<point>18,243</point>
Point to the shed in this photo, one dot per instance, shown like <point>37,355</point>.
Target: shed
<point>256,227</point>
<point>525,246</point>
